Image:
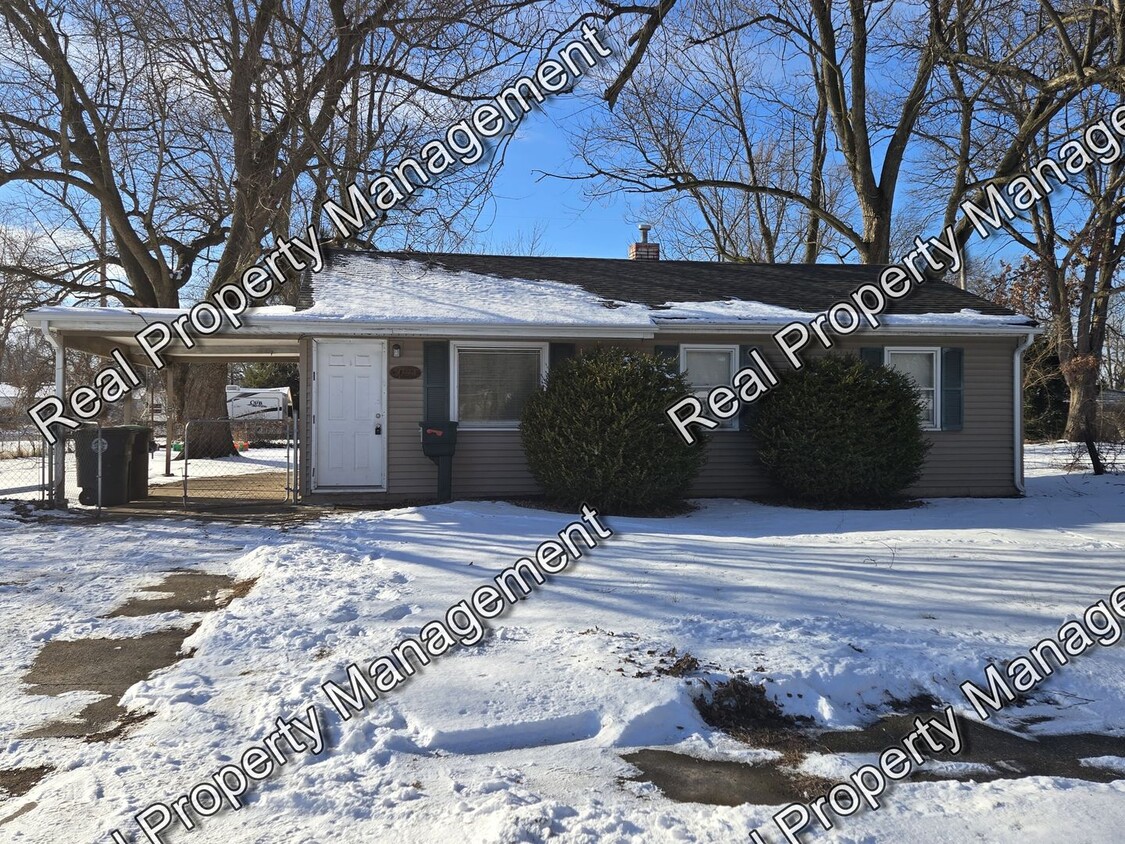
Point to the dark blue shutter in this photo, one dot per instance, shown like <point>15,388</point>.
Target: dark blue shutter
<point>749,411</point>
<point>952,389</point>
<point>872,355</point>
<point>435,381</point>
<point>672,353</point>
<point>558,352</point>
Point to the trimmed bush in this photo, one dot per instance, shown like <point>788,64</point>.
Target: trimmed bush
<point>839,430</point>
<point>597,433</point>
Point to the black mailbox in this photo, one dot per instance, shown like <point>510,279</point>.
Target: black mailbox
<point>439,441</point>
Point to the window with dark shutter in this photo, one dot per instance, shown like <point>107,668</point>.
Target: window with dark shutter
<point>559,352</point>
<point>922,365</point>
<point>492,381</point>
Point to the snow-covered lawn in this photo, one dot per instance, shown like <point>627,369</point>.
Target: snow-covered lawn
<point>253,461</point>
<point>519,738</point>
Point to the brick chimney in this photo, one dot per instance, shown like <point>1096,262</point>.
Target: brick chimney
<point>644,251</point>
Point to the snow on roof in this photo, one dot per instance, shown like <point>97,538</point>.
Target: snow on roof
<point>360,288</point>
<point>737,310</point>
<point>594,294</point>
<point>357,288</point>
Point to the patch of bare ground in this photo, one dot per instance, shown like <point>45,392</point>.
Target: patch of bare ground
<point>110,666</point>
<point>744,711</point>
<point>16,782</point>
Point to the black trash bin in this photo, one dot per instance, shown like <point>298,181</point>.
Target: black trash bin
<point>439,442</point>
<point>138,462</point>
<point>115,445</point>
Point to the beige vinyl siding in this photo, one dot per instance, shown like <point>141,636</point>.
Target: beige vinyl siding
<point>490,464</point>
<point>487,463</point>
<point>731,469</point>
<point>977,460</point>
<point>409,472</point>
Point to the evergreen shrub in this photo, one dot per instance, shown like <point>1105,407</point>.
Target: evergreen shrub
<point>841,431</point>
<point>597,433</point>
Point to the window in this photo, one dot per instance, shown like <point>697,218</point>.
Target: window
<point>491,383</point>
<point>923,367</point>
<point>707,367</point>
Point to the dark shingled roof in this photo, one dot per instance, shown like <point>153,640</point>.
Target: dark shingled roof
<point>802,287</point>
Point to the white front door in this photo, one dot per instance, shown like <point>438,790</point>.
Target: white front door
<point>349,417</point>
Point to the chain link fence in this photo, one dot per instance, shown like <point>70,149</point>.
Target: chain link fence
<point>24,463</point>
<point>237,462</point>
<point>208,463</point>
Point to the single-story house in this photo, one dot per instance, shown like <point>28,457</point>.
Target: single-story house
<point>385,341</point>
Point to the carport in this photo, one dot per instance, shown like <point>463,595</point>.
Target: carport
<point>112,334</point>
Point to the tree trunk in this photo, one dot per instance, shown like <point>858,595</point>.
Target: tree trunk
<point>199,393</point>
<point>1081,374</point>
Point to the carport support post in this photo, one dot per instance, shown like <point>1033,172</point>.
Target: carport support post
<point>168,422</point>
<point>58,453</point>
<point>56,495</point>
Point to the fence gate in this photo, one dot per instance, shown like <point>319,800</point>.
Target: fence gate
<point>235,462</point>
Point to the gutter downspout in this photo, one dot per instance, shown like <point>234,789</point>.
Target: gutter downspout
<point>1017,412</point>
<point>58,479</point>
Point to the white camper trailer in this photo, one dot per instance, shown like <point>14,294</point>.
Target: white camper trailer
<point>257,403</point>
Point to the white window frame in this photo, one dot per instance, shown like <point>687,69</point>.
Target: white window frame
<point>490,345</point>
<point>936,352</point>
<point>731,424</point>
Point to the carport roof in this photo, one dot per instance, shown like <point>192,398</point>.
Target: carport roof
<point>101,330</point>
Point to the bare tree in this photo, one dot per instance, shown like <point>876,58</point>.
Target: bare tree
<point>1114,365</point>
<point>1028,95</point>
<point>1010,71</point>
<point>795,82</point>
<point>200,129</point>
<point>525,241</point>
<point>20,291</point>
<point>909,94</point>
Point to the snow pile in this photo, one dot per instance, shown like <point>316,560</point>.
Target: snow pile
<point>963,317</point>
<point>358,288</point>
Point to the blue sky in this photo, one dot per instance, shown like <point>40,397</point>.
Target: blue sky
<point>574,226</point>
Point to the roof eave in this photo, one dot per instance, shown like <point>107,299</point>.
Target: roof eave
<point>692,327</point>
<point>266,326</point>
